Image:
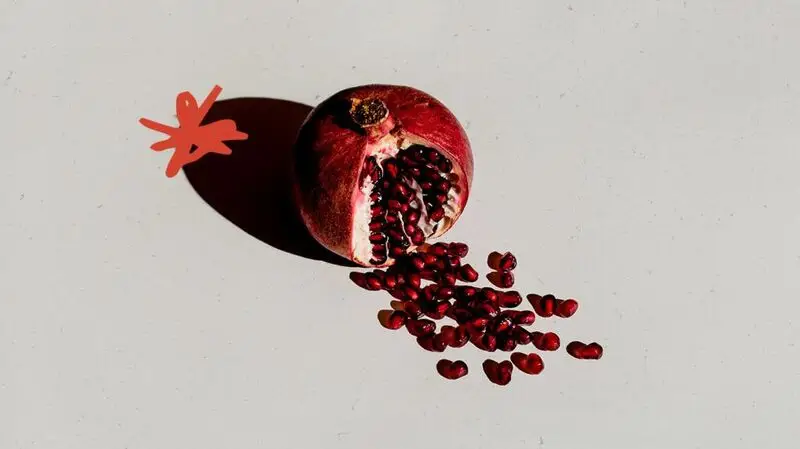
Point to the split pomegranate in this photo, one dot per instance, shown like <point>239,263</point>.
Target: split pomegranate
<point>379,170</point>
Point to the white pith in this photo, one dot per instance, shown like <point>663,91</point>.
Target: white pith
<point>386,148</point>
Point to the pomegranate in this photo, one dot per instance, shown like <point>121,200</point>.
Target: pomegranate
<point>379,170</point>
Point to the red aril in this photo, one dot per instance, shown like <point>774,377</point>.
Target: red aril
<point>566,308</point>
<point>498,373</point>
<point>452,370</point>
<point>380,169</point>
<point>528,363</point>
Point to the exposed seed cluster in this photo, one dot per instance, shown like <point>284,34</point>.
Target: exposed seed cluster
<point>483,316</point>
<point>395,204</point>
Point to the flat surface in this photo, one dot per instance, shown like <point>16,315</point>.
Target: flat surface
<point>641,156</point>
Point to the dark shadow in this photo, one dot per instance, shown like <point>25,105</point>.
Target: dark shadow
<point>252,186</point>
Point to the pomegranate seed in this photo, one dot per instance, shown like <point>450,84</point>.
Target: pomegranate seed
<point>412,216</point>
<point>413,279</point>
<point>438,310</point>
<point>460,314</point>
<point>426,186</point>
<point>398,293</point>
<point>418,262</point>
<point>506,343</point>
<point>486,309</point>
<point>468,274</point>
<point>509,299</point>
<point>458,249</point>
<point>545,342</point>
<point>453,263</point>
<point>412,309</point>
<point>420,327</point>
<point>502,279</point>
<point>524,318</point>
<point>592,351</point>
<point>566,309</point>
<point>392,218</point>
<point>373,282</point>
<point>521,335</point>
<point>508,262</point>
<point>432,342</point>
<point>377,238</point>
<point>397,251</point>
<point>417,238</point>
<point>429,292</point>
<point>498,373</point>
<point>437,214</point>
<point>489,294</point>
<point>501,324</point>
<point>528,363</point>
<point>440,198</point>
<point>396,320</point>
<point>411,293</point>
<point>448,333</point>
<point>447,279</point>
<point>543,305</point>
<point>391,168</point>
<point>359,279</point>
<point>430,259</point>
<point>432,155</point>
<point>440,265</point>
<point>375,226</point>
<point>487,342</point>
<point>445,292</point>
<point>428,274</point>
<point>479,323</point>
<point>438,249</point>
<point>466,292</point>
<point>376,210</point>
<point>460,338</point>
<point>445,165</point>
<point>494,260</point>
<point>452,370</point>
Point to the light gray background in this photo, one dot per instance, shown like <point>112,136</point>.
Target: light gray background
<point>641,156</point>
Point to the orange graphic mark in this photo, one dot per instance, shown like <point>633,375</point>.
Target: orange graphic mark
<point>190,140</point>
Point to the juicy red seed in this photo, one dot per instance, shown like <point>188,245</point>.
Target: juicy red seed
<point>445,165</point>
<point>426,185</point>
<point>489,294</point>
<point>528,363</point>
<point>376,209</point>
<point>378,249</point>
<point>479,323</point>
<point>468,274</point>
<point>452,370</point>
<point>376,226</point>
<point>460,314</point>
<point>445,292</point>
<point>412,216</point>
<point>545,342</point>
<point>359,279</point>
<point>437,214</point>
<point>391,168</point>
<point>466,292</point>
<point>566,309</point>
<point>410,228</point>
<point>440,265</point>
<point>377,238</point>
<point>418,262</point>
<point>509,299</point>
<point>413,279</point>
<point>498,373</point>
<point>428,274</point>
<point>501,324</point>
<point>447,279</point>
<point>430,259</point>
<point>394,205</point>
<point>501,279</point>
<point>525,318</point>
<point>432,155</point>
<point>543,305</point>
<point>373,282</point>
<point>486,309</point>
<point>458,249</point>
<point>396,251</point>
<point>390,281</point>
<point>453,262</point>
<point>441,198</point>
<point>461,337</point>
<point>411,293</point>
<point>429,292</point>
<point>488,342</point>
<point>418,238</point>
<point>443,186</point>
<point>394,234</point>
<point>400,190</point>
<point>507,262</point>
<point>396,320</point>
<point>448,333</point>
<point>420,327</point>
<point>506,343</point>
<point>593,351</point>
<point>412,309</point>
<point>432,342</point>
<point>521,335</point>
<point>392,218</point>
<point>438,249</point>
<point>439,310</point>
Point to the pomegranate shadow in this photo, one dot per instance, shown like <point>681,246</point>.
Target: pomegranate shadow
<point>252,187</point>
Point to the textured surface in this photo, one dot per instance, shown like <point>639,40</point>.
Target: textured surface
<point>639,155</point>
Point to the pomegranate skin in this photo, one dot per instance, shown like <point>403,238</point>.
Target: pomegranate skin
<point>331,148</point>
